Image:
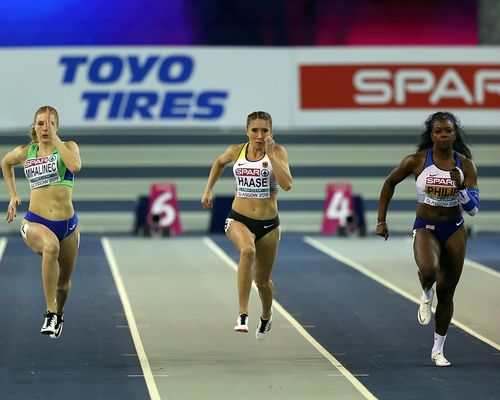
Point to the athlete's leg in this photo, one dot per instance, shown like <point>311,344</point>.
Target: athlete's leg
<point>266,250</point>
<point>426,251</point>
<point>243,240</point>
<point>67,259</point>
<point>43,241</point>
<point>452,261</point>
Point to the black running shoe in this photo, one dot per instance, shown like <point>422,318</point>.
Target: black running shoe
<point>49,323</point>
<point>59,327</point>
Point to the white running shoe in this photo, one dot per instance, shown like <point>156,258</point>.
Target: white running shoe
<point>439,359</point>
<point>264,327</point>
<point>242,323</point>
<point>49,323</point>
<point>424,313</point>
<point>58,327</point>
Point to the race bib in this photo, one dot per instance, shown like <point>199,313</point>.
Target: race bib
<point>41,171</point>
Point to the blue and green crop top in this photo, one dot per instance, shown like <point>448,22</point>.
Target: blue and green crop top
<point>46,170</point>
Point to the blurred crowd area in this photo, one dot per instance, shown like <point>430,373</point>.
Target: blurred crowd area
<point>252,23</point>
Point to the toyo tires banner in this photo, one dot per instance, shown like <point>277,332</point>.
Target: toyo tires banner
<point>217,87</point>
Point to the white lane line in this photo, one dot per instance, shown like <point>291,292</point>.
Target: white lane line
<point>143,359</point>
<point>377,278</point>
<point>126,326</point>
<point>482,268</point>
<point>3,245</point>
<point>350,377</point>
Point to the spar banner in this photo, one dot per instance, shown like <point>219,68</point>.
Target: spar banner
<point>397,87</point>
<point>302,88</point>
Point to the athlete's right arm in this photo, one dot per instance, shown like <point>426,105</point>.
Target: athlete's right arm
<point>407,166</point>
<point>216,171</point>
<point>12,158</point>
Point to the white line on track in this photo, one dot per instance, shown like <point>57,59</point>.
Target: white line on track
<point>482,268</point>
<point>350,377</point>
<point>3,245</point>
<point>377,278</point>
<point>126,326</point>
<point>143,359</point>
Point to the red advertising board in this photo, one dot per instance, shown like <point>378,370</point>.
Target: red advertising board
<point>338,207</point>
<point>402,86</point>
<point>163,211</point>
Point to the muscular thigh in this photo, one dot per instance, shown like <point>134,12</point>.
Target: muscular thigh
<point>37,236</point>
<point>266,250</point>
<point>426,249</point>
<point>69,250</point>
<point>453,256</point>
<point>239,234</point>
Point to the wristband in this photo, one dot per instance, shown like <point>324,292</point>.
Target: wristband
<point>469,199</point>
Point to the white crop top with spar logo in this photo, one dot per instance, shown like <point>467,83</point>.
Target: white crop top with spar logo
<point>435,186</point>
<point>254,179</point>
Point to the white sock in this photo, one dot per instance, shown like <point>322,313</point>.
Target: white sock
<point>428,294</point>
<point>438,342</point>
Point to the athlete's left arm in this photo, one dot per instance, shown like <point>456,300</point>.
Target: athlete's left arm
<point>469,193</point>
<point>70,154</point>
<point>279,160</point>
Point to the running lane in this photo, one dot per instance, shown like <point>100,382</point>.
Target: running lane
<point>93,359</point>
<point>373,331</point>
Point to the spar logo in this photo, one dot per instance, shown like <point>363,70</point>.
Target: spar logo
<point>430,180</point>
<point>39,160</point>
<point>399,86</point>
<point>144,87</point>
<point>247,172</point>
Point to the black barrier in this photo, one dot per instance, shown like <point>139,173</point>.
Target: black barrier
<point>220,209</point>
<point>141,214</point>
<point>355,223</point>
<point>141,226</point>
